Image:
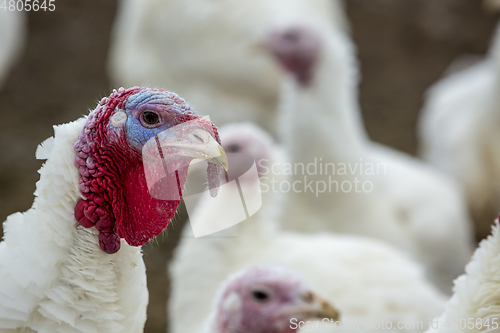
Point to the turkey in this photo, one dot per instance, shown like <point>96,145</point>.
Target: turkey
<point>204,50</point>
<point>475,304</point>
<point>266,299</point>
<point>73,262</point>
<point>343,182</point>
<point>459,134</point>
<point>363,277</point>
<point>12,31</point>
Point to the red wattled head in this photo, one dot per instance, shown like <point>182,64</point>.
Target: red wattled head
<point>110,159</point>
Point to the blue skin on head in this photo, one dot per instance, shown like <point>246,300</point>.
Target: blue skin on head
<point>165,104</point>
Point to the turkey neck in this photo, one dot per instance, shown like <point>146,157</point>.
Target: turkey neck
<point>107,290</point>
<point>321,120</point>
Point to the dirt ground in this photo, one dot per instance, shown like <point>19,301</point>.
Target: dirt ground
<point>403,47</point>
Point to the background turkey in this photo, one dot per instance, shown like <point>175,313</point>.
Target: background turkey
<point>211,56</point>
<point>459,131</point>
<point>350,271</point>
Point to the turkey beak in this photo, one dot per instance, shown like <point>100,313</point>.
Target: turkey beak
<point>260,46</point>
<point>199,144</point>
<point>311,306</point>
<point>263,45</point>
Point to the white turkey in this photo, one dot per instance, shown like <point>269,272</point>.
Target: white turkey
<point>343,182</point>
<point>266,299</point>
<point>204,50</point>
<point>73,262</point>
<point>12,32</point>
<point>459,132</point>
<point>364,278</point>
<point>475,304</point>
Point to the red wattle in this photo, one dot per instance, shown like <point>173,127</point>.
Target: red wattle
<point>80,209</point>
<point>109,242</point>
<point>144,217</point>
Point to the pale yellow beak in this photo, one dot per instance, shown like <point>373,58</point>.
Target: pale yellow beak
<point>312,306</point>
<point>199,144</point>
<point>259,46</point>
<point>326,310</point>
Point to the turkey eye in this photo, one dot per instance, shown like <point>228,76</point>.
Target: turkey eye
<point>233,148</point>
<point>260,296</point>
<point>150,117</point>
<point>291,36</point>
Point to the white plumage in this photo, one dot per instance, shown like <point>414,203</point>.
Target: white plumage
<point>205,51</point>
<point>54,276</point>
<point>12,31</point>
<point>398,199</point>
<point>363,278</point>
<point>475,304</point>
<point>459,133</point>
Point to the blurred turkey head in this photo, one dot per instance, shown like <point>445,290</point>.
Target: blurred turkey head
<point>244,144</point>
<point>264,299</point>
<point>297,49</point>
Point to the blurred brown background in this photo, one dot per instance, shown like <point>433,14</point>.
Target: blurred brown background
<point>403,47</point>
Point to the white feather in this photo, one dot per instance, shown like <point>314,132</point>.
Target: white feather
<point>54,277</point>
<point>459,133</point>
<point>44,149</point>
<point>476,297</point>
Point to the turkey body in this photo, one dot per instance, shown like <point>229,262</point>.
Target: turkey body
<point>54,276</point>
<point>360,187</point>
<point>364,278</point>
<point>458,131</point>
<point>475,304</point>
<point>205,51</point>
